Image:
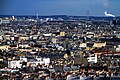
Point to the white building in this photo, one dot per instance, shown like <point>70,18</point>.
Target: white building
<point>18,63</point>
<point>14,64</point>
<point>92,59</point>
<point>4,21</point>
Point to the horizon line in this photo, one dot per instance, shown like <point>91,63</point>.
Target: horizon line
<point>53,15</point>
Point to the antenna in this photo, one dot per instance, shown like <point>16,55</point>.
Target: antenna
<point>87,15</point>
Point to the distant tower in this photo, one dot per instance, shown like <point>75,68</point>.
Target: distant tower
<point>37,17</point>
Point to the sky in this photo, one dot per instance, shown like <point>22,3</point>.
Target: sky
<point>59,7</point>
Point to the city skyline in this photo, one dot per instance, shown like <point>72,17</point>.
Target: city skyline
<point>59,7</point>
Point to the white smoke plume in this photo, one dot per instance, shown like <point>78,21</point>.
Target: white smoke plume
<point>108,14</point>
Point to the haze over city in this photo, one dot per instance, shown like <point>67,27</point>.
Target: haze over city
<point>59,7</point>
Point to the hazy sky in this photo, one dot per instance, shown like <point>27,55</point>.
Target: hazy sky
<point>59,7</point>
